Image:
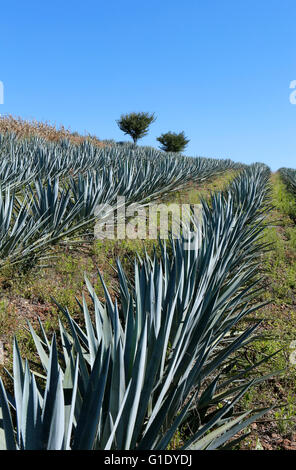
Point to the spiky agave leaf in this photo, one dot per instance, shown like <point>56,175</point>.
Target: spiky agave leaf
<point>170,337</point>
<point>289,177</point>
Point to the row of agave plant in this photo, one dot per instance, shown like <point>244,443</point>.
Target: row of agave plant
<point>35,158</point>
<point>289,177</point>
<point>51,190</point>
<point>161,357</point>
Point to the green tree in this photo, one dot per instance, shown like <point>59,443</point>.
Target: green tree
<point>172,142</point>
<point>136,124</point>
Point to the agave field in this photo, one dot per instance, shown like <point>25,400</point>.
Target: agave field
<point>289,177</point>
<point>50,190</point>
<point>160,358</point>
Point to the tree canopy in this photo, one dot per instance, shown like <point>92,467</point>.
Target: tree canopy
<point>172,142</point>
<point>136,124</point>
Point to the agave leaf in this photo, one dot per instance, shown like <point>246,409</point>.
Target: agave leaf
<point>70,387</point>
<point>6,423</point>
<point>42,354</point>
<point>137,380</point>
<point>234,429</point>
<point>18,382</point>
<point>87,425</point>
<point>30,425</point>
<point>53,400</point>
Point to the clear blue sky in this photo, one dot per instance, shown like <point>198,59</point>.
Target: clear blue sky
<point>218,69</point>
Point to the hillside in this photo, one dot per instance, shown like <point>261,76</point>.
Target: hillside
<point>161,344</point>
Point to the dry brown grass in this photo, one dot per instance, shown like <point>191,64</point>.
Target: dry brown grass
<point>25,129</point>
